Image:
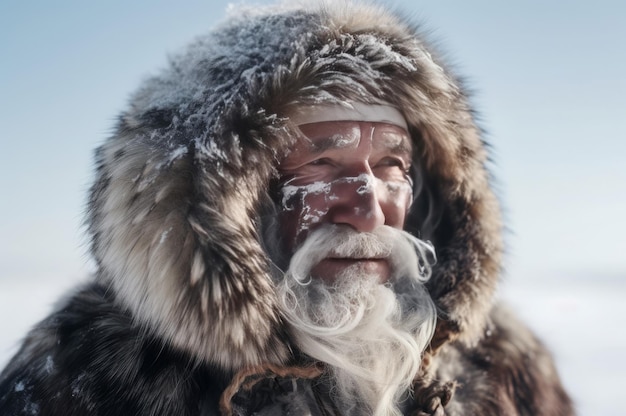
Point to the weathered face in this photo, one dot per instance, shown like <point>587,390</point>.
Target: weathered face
<point>353,173</point>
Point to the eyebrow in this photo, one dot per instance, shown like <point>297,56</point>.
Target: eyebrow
<point>404,147</point>
<point>336,141</point>
<point>397,144</point>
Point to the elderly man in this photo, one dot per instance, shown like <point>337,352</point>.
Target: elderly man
<point>293,218</point>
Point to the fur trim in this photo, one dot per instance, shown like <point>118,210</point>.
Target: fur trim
<point>174,213</point>
<point>508,372</point>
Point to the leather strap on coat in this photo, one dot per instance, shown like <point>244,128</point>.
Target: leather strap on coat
<point>245,380</point>
<point>432,399</point>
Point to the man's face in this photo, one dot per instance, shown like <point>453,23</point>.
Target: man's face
<point>350,173</point>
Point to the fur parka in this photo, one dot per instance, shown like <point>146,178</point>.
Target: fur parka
<point>181,317</point>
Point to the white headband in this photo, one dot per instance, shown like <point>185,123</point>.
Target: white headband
<point>354,112</point>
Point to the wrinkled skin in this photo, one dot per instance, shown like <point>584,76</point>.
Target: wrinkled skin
<point>346,172</point>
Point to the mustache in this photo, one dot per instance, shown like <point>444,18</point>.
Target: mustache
<point>342,241</point>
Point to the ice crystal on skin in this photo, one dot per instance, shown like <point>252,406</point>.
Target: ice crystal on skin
<point>308,215</point>
<point>358,211</point>
<point>289,191</point>
<point>311,216</point>
<point>394,188</point>
<point>397,186</point>
<point>369,184</point>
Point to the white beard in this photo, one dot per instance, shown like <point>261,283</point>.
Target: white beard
<point>371,336</point>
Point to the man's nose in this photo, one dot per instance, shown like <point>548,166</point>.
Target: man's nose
<point>357,204</point>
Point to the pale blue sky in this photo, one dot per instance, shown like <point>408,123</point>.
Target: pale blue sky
<point>549,80</point>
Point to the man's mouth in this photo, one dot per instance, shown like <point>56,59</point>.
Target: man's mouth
<point>331,268</point>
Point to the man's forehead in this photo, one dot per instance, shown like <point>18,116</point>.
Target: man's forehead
<point>321,136</point>
<point>342,125</point>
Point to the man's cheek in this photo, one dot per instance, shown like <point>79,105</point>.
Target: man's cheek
<point>302,210</point>
<point>312,211</point>
<point>397,198</point>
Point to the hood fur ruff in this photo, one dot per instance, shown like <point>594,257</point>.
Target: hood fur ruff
<point>175,212</point>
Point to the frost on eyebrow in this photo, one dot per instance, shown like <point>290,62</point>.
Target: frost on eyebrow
<point>320,143</point>
<point>396,143</point>
<point>336,141</point>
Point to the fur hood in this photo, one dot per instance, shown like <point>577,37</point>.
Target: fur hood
<point>176,210</point>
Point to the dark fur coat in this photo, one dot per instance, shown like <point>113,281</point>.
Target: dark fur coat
<point>181,317</point>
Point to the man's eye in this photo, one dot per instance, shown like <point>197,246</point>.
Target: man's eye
<point>393,162</point>
<point>324,161</point>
